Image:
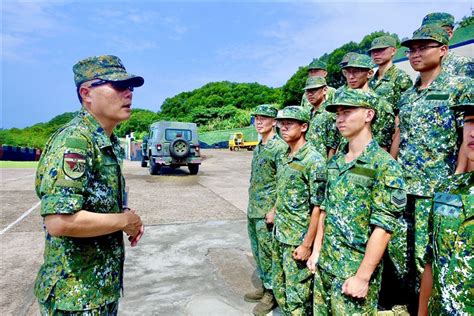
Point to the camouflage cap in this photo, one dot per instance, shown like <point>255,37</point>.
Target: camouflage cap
<point>428,33</point>
<point>294,112</point>
<point>345,58</point>
<point>317,64</point>
<point>383,42</point>
<point>465,103</point>
<point>438,18</point>
<point>314,83</point>
<point>353,98</point>
<point>105,67</point>
<point>359,61</point>
<point>265,110</point>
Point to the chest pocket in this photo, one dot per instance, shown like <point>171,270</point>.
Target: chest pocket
<point>447,205</point>
<point>361,176</point>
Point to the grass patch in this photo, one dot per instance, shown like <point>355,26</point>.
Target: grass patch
<point>18,164</point>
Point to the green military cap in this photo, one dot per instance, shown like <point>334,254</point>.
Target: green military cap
<point>438,18</point>
<point>465,103</point>
<point>314,83</point>
<point>353,98</point>
<point>105,67</point>
<point>294,112</point>
<point>345,58</point>
<point>265,110</point>
<point>359,61</point>
<point>428,32</point>
<point>383,42</point>
<point>317,64</point>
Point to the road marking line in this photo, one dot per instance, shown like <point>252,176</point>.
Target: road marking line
<point>30,175</point>
<point>20,218</point>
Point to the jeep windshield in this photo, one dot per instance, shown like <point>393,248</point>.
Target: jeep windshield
<point>172,134</point>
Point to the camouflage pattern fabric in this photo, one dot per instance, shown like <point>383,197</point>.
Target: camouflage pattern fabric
<point>383,42</point>
<point>451,247</point>
<point>265,110</point>
<point>329,98</point>
<point>359,61</point>
<point>294,112</point>
<point>317,64</point>
<point>329,299</point>
<point>391,86</point>
<point>301,181</point>
<point>261,243</point>
<point>430,32</point>
<point>292,281</point>
<point>322,132</point>
<point>438,18</point>
<point>110,309</point>
<point>458,65</point>
<point>366,192</point>
<point>80,169</point>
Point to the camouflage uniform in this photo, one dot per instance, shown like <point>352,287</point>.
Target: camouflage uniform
<point>366,192</point>
<point>300,185</point>
<point>451,248</point>
<point>262,198</point>
<point>317,64</point>
<point>391,86</point>
<point>81,169</point>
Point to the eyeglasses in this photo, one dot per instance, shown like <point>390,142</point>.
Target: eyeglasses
<point>117,85</point>
<point>421,50</point>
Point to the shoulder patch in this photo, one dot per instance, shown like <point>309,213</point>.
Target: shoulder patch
<point>74,165</point>
<point>398,198</point>
<point>77,143</point>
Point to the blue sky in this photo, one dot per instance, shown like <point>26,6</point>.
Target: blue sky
<point>178,46</point>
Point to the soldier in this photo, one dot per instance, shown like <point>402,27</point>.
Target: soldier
<point>429,139</point>
<point>449,272</point>
<point>261,208</point>
<point>322,131</point>
<point>364,196</point>
<point>83,200</point>
<point>317,68</point>
<point>301,179</point>
<point>358,71</point>
<point>452,63</point>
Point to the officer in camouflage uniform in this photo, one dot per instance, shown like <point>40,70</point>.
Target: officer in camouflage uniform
<point>261,208</point>
<point>301,179</point>
<point>429,140</point>
<point>452,63</point>
<point>79,181</point>
<point>317,68</point>
<point>450,253</point>
<point>358,71</point>
<point>322,131</point>
<point>364,197</point>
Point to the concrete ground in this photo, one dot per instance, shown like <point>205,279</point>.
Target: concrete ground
<point>194,258</point>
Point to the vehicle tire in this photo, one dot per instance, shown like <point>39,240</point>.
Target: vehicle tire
<point>179,148</point>
<point>193,168</point>
<point>153,167</point>
<point>144,162</point>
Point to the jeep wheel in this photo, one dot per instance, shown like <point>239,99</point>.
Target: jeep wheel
<point>179,148</point>
<point>193,168</point>
<point>144,162</point>
<point>153,167</point>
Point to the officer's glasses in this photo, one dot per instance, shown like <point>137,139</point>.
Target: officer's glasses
<point>117,85</point>
<point>420,50</point>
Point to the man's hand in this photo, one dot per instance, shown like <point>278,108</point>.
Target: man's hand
<point>302,253</point>
<point>270,217</point>
<point>133,223</point>
<point>134,240</point>
<point>311,263</point>
<point>356,287</point>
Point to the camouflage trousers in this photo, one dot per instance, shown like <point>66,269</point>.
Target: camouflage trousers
<point>329,300</point>
<point>261,240</point>
<point>292,281</point>
<point>48,309</point>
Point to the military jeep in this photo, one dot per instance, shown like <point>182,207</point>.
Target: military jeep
<point>172,144</point>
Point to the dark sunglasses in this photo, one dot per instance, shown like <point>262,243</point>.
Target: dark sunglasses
<point>117,85</point>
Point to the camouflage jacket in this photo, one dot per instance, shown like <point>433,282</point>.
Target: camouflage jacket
<point>429,132</point>
<point>329,98</point>
<point>262,190</point>
<point>80,169</point>
<point>322,132</point>
<point>366,192</point>
<point>458,65</point>
<point>384,125</point>
<point>391,86</point>
<point>451,247</point>
<point>301,181</point>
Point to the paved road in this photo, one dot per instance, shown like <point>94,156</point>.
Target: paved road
<point>194,258</point>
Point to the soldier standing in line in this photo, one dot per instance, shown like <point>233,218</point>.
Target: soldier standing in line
<point>317,68</point>
<point>452,63</point>
<point>449,271</point>
<point>83,200</point>
<point>364,196</point>
<point>301,180</point>
<point>429,140</point>
<point>322,131</point>
<point>261,208</point>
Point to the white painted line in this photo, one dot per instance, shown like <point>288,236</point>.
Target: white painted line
<point>14,179</point>
<point>20,218</point>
